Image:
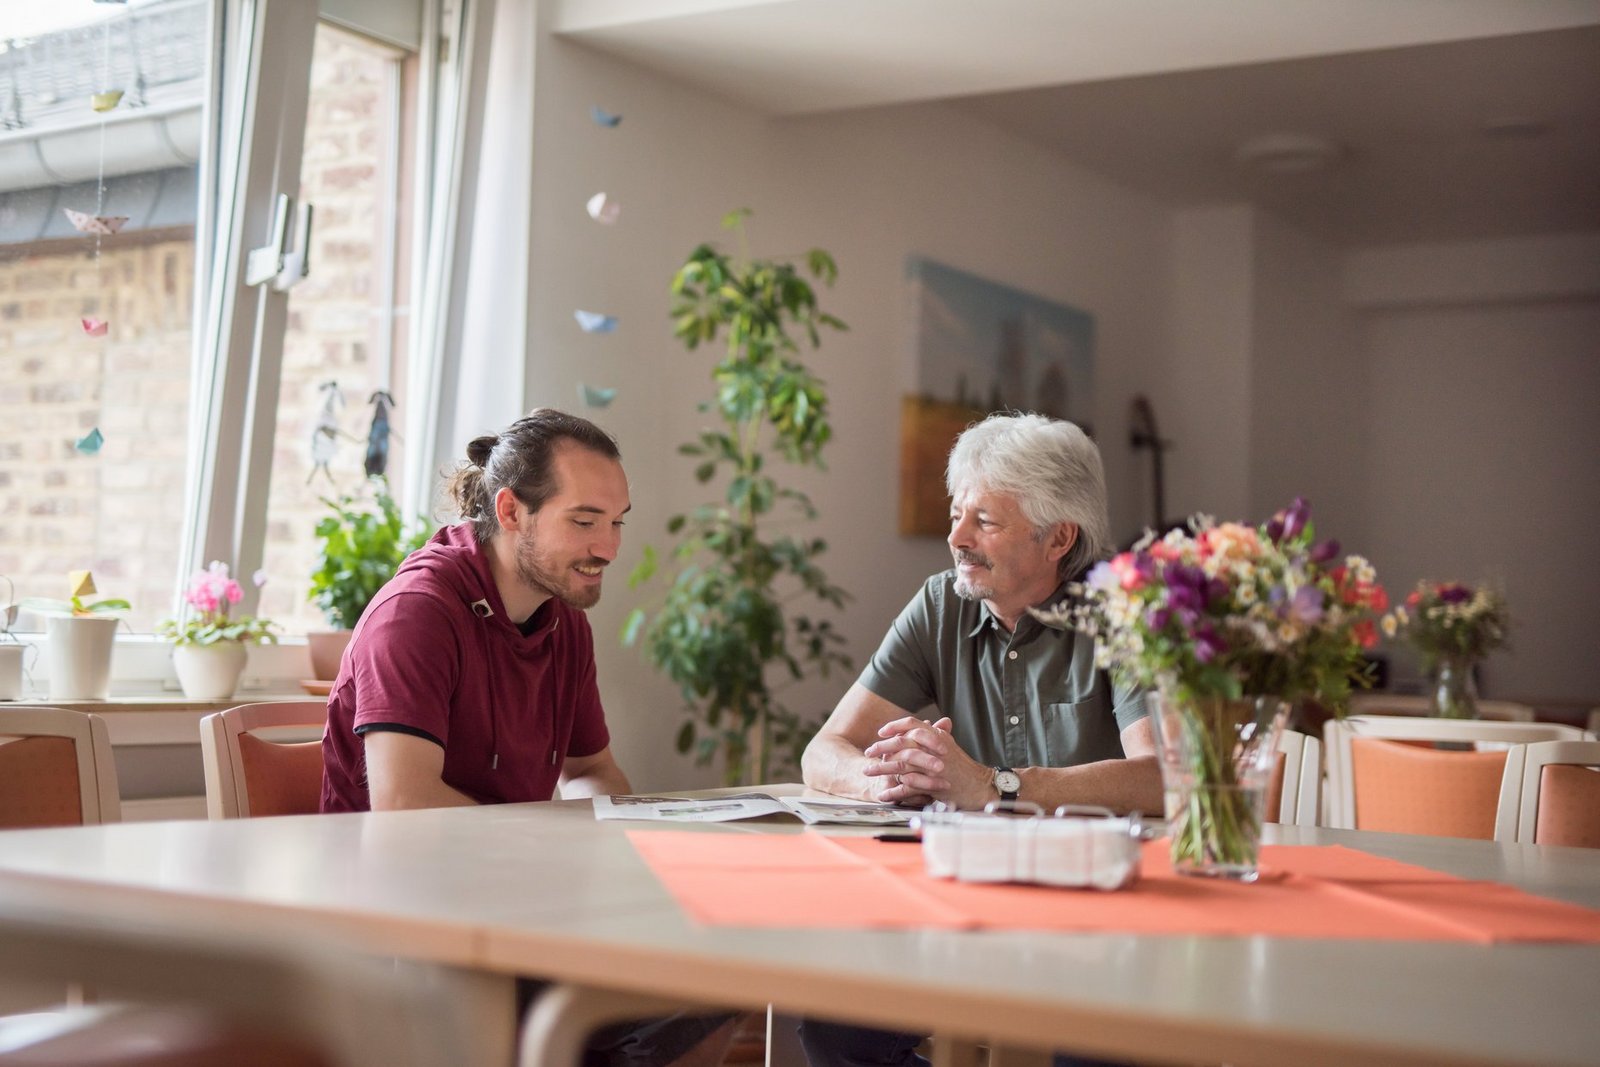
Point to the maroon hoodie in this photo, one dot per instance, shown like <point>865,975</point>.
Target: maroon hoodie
<point>434,655</point>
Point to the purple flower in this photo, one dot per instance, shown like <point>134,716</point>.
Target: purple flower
<point>1295,519</point>
<point>1101,576</point>
<point>1306,605</point>
<point>1454,594</point>
<point>1157,618</point>
<point>1275,528</point>
<point>1325,551</point>
<point>1208,644</point>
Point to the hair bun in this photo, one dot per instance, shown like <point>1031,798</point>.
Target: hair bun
<point>480,448</point>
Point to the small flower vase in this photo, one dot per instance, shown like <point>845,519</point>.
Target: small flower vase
<point>1217,757</point>
<point>1455,692</point>
<point>209,672</point>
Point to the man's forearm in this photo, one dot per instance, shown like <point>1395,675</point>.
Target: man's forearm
<point>832,764</point>
<point>418,794</point>
<point>1123,785</point>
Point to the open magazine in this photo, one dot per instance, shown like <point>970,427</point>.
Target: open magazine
<point>750,806</point>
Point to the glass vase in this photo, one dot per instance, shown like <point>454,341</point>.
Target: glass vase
<point>1217,757</point>
<point>1455,691</point>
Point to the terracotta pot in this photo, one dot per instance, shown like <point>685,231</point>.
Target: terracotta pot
<point>327,649</point>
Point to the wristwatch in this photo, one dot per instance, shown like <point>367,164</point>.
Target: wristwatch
<point>1007,782</point>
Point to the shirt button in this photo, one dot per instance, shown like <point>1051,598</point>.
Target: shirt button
<point>1012,654</point>
<point>1015,720</point>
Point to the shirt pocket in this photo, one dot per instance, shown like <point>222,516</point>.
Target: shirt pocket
<point>1064,732</point>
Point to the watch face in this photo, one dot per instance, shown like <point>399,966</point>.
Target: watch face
<point>1009,783</point>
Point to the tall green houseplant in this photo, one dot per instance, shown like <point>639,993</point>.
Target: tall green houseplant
<point>362,544</point>
<point>724,631</point>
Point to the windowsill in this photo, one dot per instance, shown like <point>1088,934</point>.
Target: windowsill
<point>141,670</point>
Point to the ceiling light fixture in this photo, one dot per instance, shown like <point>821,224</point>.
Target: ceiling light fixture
<point>1288,153</point>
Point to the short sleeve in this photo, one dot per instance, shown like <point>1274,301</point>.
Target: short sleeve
<point>405,665</point>
<point>901,671</point>
<point>1127,701</point>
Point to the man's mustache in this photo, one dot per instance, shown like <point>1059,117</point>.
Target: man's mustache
<point>963,556</point>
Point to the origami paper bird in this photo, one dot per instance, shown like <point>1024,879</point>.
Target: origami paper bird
<point>602,117</point>
<point>107,100</point>
<point>89,444</point>
<point>595,322</point>
<point>603,209</point>
<point>83,222</point>
<point>95,327</point>
<point>594,396</point>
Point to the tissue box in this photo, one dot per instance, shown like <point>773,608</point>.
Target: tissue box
<point>1064,850</point>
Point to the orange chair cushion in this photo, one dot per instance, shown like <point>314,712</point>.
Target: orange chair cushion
<point>1569,806</point>
<point>281,779</point>
<point>1404,789</point>
<point>39,783</point>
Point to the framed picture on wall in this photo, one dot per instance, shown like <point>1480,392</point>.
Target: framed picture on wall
<point>978,346</point>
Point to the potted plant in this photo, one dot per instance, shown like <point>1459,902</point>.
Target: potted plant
<point>208,641</point>
<point>80,637</point>
<point>362,543</point>
<point>723,629</point>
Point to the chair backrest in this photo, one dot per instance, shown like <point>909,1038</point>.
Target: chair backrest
<point>1416,789</point>
<point>55,769</point>
<point>1299,780</point>
<point>1551,794</point>
<point>1396,704</point>
<point>248,775</point>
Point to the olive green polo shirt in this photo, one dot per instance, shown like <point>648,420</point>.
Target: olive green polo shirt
<point>1031,698</point>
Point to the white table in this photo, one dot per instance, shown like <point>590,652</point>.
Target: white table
<point>545,890</point>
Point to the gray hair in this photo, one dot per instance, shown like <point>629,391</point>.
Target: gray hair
<point>1053,470</point>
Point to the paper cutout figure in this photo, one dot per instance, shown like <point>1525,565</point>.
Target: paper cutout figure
<point>603,209</point>
<point>259,578</point>
<point>325,434</point>
<point>83,222</point>
<point>95,327</point>
<point>107,100</point>
<point>595,396</point>
<point>89,444</point>
<point>82,583</point>
<point>378,436</point>
<point>595,322</point>
<point>602,117</point>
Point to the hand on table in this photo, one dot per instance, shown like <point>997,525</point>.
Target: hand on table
<point>922,763</point>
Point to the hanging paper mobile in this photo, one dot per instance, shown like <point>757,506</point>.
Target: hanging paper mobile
<point>95,327</point>
<point>107,100</point>
<point>595,322</point>
<point>89,444</point>
<point>595,396</point>
<point>602,117</point>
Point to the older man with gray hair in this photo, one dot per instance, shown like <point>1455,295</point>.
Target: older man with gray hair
<point>1024,714</point>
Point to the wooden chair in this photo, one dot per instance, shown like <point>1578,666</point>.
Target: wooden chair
<point>1415,706</point>
<point>1378,781</point>
<point>1294,794</point>
<point>55,769</point>
<point>1551,794</point>
<point>249,775</point>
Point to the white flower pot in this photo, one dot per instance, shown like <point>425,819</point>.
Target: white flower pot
<point>11,671</point>
<point>79,656</point>
<point>209,672</point>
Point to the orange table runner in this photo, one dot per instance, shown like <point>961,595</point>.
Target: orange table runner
<point>1317,891</point>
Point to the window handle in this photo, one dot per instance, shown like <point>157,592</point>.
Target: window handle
<point>296,261</point>
<point>266,263</point>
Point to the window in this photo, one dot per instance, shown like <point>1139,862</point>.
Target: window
<point>180,432</point>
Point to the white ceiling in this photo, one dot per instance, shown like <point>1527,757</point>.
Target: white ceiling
<point>1159,94</point>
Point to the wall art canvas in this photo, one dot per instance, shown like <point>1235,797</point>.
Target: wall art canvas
<point>979,346</point>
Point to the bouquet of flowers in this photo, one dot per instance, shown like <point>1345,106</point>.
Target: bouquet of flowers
<point>1231,624</point>
<point>211,595</point>
<point>1448,620</point>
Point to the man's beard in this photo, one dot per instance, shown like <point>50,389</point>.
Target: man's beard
<point>539,573</point>
<point>966,588</point>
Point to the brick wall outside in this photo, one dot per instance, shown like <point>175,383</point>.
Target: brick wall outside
<point>119,512</point>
